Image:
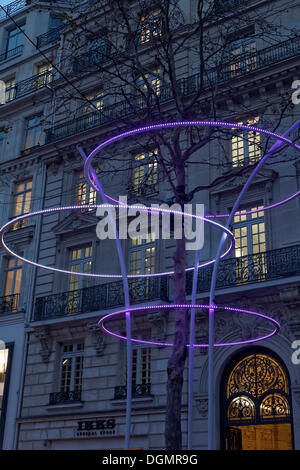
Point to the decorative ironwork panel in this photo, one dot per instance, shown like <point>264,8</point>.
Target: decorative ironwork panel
<point>99,297</point>
<point>12,8</point>
<point>255,375</point>
<point>222,6</point>
<point>50,36</point>
<point>92,57</point>
<point>274,406</point>
<point>11,53</point>
<point>72,396</point>
<point>241,408</point>
<point>138,391</point>
<point>266,266</point>
<point>33,84</point>
<point>9,303</point>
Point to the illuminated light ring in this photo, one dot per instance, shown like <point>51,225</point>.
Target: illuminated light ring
<point>5,227</point>
<point>204,345</point>
<point>139,130</point>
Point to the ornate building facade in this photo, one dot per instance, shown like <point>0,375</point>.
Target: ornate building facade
<point>63,381</point>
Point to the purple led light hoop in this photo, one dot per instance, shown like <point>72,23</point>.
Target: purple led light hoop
<point>11,222</point>
<point>153,127</point>
<point>171,306</point>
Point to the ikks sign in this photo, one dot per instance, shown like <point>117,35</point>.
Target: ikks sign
<point>96,427</point>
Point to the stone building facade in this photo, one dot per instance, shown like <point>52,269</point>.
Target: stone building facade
<point>65,382</point>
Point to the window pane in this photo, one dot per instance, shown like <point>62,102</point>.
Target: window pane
<point>3,366</point>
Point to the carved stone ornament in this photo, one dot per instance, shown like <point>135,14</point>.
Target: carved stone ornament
<point>159,322</point>
<point>99,338</point>
<point>291,295</point>
<point>296,393</point>
<point>53,165</point>
<point>201,330</point>
<point>75,222</point>
<point>43,335</point>
<point>202,405</point>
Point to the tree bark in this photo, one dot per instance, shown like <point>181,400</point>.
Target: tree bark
<point>176,363</point>
<point>177,359</point>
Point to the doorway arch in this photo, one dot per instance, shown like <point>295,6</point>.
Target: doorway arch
<point>256,408</point>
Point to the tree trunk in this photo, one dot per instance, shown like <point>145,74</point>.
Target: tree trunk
<point>178,356</point>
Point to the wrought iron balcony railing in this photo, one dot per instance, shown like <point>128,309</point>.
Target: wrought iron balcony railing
<point>33,83</point>
<point>9,303</point>
<point>138,391</point>
<point>12,8</point>
<point>91,299</point>
<point>272,264</point>
<point>61,398</point>
<point>92,57</point>
<point>242,65</point>
<point>50,36</point>
<point>8,54</point>
<point>30,85</point>
<point>223,6</point>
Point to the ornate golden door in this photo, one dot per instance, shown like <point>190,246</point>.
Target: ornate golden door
<point>256,404</point>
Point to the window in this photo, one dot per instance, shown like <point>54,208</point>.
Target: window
<point>250,246</point>
<point>89,111</point>
<point>141,365</point>
<point>246,145</point>
<point>71,367</point>
<point>243,57</point>
<point>12,285</point>
<point>148,85</point>
<point>256,404</point>
<point>10,89</point>
<point>21,204</point>
<point>142,261</point>
<point>151,26</point>
<point>5,368</point>
<point>80,261</point>
<point>85,193</point>
<point>145,174</point>
<point>14,43</point>
<point>44,72</point>
<point>33,132</point>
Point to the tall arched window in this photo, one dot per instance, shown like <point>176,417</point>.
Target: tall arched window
<point>256,403</point>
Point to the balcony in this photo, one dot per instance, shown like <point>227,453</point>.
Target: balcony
<point>30,85</point>
<point>33,83</point>
<point>12,8</point>
<point>233,272</point>
<point>242,66</point>
<point>13,52</point>
<point>92,57</point>
<point>91,299</point>
<point>9,303</point>
<point>62,398</point>
<point>48,37</point>
<point>138,391</point>
<point>222,6</point>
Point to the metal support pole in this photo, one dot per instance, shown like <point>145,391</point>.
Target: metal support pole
<point>127,305</point>
<point>191,351</point>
